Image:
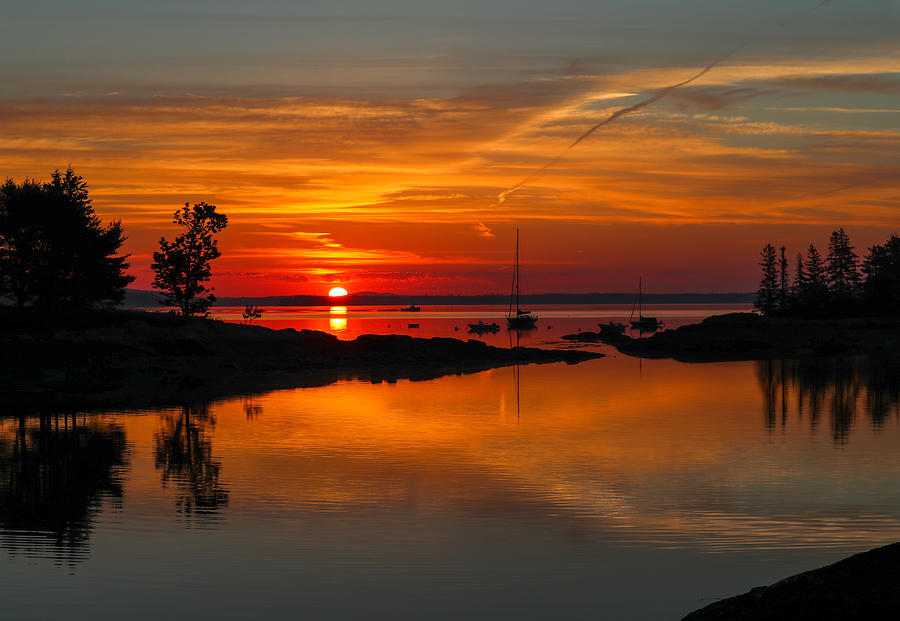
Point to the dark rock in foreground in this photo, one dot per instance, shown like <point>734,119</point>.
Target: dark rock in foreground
<point>135,359</point>
<point>864,586</point>
<point>748,336</point>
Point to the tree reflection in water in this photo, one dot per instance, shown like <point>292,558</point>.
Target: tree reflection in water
<point>54,475</point>
<point>840,387</point>
<point>251,409</point>
<point>183,454</point>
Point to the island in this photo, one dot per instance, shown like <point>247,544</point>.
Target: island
<point>749,336</point>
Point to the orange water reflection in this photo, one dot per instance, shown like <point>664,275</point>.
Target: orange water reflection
<point>633,471</point>
<point>338,320</point>
<point>654,452</point>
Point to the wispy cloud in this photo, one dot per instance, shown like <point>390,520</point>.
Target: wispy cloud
<point>484,231</point>
<point>885,84</point>
<point>326,185</point>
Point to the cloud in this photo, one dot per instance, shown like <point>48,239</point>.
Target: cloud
<point>484,231</point>
<point>885,84</point>
<point>720,97</point>
<point>416,176</point>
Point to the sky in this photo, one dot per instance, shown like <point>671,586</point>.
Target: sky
<point>365,144</point>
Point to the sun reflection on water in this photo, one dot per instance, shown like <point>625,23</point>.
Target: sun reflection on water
<point>338,321</point>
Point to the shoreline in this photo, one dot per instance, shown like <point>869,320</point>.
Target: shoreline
<point>134,360</point>
<point>748,336</point>
<point>861,586</point>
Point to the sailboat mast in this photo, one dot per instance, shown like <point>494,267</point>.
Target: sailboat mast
<point>517,272</point>
<point>641,297</point>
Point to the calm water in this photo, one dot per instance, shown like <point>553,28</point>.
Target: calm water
<point>613,489</point>
<point>452,321</point>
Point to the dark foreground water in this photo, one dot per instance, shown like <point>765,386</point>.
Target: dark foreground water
<point>613,489</point>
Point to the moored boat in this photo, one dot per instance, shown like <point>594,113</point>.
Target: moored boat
<point>518,319</point>
<point>644,324</point>
<point>611,328</point>
<point>481,327</point>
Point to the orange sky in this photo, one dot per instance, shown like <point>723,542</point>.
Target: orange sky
<point>364,175</point>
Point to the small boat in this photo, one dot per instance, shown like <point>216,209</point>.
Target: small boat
<point>481,327</point>
<point>644,324</point>
<point>412,308</point>
<point>412,325</point>
<point>520,319</point>
<point>611,328</point>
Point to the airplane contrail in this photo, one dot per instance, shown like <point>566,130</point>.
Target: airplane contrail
<point>622,112</point>
<point>612,117</point>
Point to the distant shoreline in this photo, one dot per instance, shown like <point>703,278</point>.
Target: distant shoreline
<point>147,299</point>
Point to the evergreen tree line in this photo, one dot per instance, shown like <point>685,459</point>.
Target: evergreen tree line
<point>839,284</point>
<point>57,255</point>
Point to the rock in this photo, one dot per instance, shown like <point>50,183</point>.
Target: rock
<point>863,586</point>
<point>584,337</point>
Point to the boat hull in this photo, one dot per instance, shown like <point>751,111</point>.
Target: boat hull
<point>481,328</point>
<point>522,321</point>
<point>646,323</point>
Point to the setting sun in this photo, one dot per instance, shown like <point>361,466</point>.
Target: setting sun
<point>337,292</point>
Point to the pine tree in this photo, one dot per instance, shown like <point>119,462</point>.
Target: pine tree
<point>799,278</point>
<point>882,284</point>
<point>767,295</point>
<point>842,267</point>
<point>54,250</point>
<point>183,266</point>
<point>816,290</point>
<point>784,286</point>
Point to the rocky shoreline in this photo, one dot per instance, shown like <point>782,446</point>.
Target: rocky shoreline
<point>135,359</point>
<point>863,586</point>
<point>748,336</point>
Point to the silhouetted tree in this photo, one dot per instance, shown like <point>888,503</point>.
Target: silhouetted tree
<point>815,293</point>
<point>54,250</point>
<point>841,267</point>
<point>784,288</point>
<point>251,312</point>
<point>183,266</point>
<point>881,289</point>
<point>799,279</point>
<point>767,295</point>
<point>835,286</point>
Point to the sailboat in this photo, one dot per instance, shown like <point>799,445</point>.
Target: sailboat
<point>520,318</point>
<point>643,323</point>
